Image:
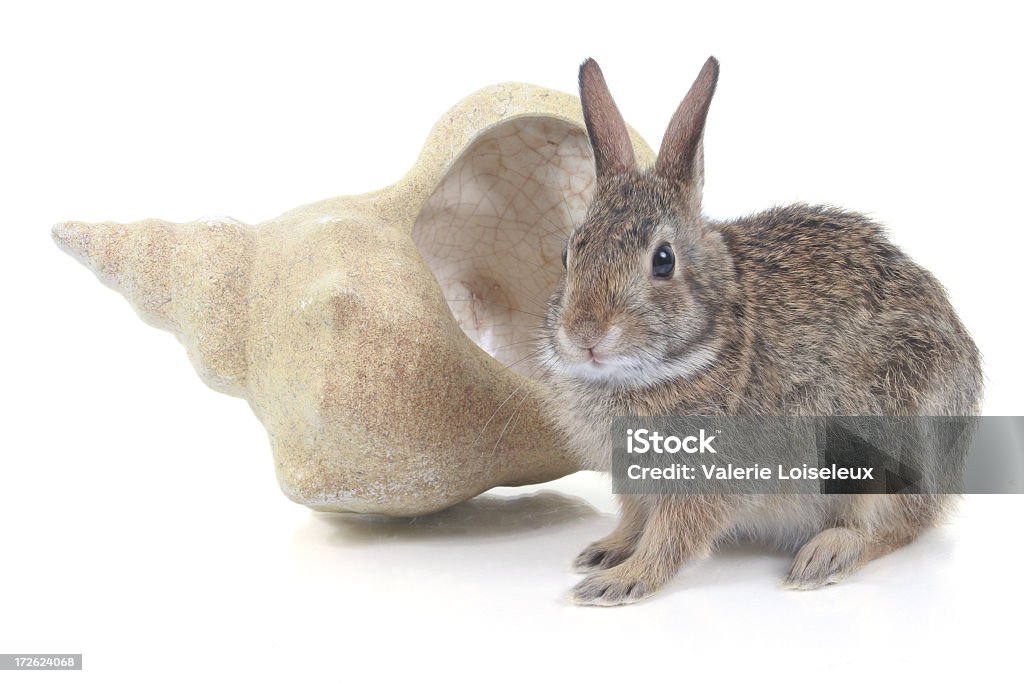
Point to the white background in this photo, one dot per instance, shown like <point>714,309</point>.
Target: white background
<point>140,519</point>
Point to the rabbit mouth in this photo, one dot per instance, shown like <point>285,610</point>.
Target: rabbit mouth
<point>638,371</point>
<point>602,368</point>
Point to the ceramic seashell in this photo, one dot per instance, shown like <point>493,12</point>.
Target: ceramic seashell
<point>384,339</point>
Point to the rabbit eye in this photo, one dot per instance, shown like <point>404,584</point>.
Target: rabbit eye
<point>565,258</point>
<point>664,262</point>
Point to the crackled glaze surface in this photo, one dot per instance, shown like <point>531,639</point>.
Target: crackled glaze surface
<point>383,340</point>
<point>494,229</point>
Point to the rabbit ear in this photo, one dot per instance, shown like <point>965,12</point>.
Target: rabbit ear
<point>613,152</point>
<point>681,158</point>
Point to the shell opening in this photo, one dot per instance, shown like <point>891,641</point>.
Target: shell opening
<point>494,228</point>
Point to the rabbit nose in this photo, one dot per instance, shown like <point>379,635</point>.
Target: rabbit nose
<point>586,334</point>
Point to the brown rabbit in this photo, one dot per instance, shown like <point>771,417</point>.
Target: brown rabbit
<point>800,310</point>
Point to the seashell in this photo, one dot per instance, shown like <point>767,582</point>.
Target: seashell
<point>383,340</point>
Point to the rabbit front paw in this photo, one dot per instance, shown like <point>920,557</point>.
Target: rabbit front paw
<point>827,558</point>
<point>602,555</point>
<point>607,588</point>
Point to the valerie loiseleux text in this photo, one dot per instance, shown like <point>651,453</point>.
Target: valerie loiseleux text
<point>642,441</point>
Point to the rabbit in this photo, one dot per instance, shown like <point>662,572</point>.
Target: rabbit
<point>799,310</point>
